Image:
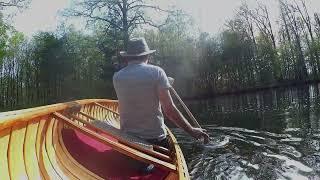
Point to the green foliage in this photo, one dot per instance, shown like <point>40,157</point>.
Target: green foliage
<point>4,35</point>
<point>52,68</point>
<point>175,49</point>
<point>67,64</point>
<point>266,60</point>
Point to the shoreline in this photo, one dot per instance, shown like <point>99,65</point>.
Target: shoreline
<point>254,89</point>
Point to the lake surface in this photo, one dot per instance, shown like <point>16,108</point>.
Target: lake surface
<point>271,134</point>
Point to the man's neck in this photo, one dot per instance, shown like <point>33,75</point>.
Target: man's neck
<point>137,62</point>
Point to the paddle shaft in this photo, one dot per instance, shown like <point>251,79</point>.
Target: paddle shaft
<point>194,121</point>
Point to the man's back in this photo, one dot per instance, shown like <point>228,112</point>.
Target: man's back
<point>137,88</point>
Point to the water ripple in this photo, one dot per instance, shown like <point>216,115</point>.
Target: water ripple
<point>239,153</point>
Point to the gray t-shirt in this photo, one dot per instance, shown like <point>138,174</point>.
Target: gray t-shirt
<point>137,87</point>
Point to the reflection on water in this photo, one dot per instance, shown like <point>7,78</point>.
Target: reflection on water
<point>267,135</point>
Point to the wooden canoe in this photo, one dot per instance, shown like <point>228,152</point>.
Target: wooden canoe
<point>59,142</point>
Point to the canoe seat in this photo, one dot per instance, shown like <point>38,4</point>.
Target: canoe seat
<point>104,161</point>
<point>124,136</point>
<point>105,129</point>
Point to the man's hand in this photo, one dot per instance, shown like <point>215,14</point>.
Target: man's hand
<point>176,117</point>
<point>199,133</point>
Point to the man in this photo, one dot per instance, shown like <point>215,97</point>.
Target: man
<point>141,88</point>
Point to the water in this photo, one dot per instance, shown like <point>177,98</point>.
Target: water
<point>272,134</point>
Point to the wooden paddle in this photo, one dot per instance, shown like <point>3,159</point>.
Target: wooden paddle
<point>194,121</point>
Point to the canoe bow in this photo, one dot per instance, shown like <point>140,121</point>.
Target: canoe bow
<point>34,145</point>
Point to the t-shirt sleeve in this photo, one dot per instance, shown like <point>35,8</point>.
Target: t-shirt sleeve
<point>163,81</point>
<point>115,81</point>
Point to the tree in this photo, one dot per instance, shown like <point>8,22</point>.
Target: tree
<point>293,33</point>
<point>317,19</point>
<point>13,4</point>
<point>118,16</point>
<point>176,51</point>
<point>260,16</point>
<point>313,52</point>
<point>92,69</point>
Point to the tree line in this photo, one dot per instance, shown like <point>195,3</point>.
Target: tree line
<point>51,68</point>
<point>67,64</point>
<point>251,52</point>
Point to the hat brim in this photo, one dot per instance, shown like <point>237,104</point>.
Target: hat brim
<point>125,54</point>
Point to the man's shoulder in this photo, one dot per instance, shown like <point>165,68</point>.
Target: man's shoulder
<point>154,67</point>
<point>146,67</point>
<point>120,72</point>
<point>117,74</point>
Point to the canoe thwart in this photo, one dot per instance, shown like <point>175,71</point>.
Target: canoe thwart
<point>123,138</point>
<point>106,108</point>
<point>136,153</point>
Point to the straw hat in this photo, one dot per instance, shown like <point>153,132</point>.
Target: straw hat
<point>137,47</point>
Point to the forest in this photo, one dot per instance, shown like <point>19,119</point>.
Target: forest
<point>251,52</point>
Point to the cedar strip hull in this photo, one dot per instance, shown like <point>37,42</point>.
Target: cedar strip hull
<point>35,144</point>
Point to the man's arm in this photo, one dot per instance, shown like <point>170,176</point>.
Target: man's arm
<point>176,116</point>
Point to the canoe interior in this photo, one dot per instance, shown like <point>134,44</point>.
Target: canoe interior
<point>48,142</point>
<point>104,161</point>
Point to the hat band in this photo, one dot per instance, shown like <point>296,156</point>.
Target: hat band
<point>137,51</point>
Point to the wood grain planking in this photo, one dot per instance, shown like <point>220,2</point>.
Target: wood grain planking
<point>87,112</point>
<point>109,118</point>
<point>180,161</point>
<point>107,108</point>
<point>100,113</point>
<point>9,119</point>
<point>136,154</point>
<point>15,155</point>
<point>86,109</point>
<point>156,154</point>
<point>30,156</point>
<point>44,158</point>
<point>62,161</point>
<point>4,145</point>
<point>69,162</point>
<point>104,114</point>
<point>15,118</point>
<point>38,145</point>
<point>93,112</point>
<point>61,170</point>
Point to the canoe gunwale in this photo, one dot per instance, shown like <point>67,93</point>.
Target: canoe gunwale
<point>8,119</point>
<point>93,108</point>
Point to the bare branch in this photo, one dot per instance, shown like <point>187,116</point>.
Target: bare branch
<point>122,15</point>
<point>13,3</point>
<point>134,2</point>
<point>150,7</point>
<point>91,16</point>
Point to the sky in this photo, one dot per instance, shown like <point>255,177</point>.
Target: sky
<point>209,15</point>
<point>42,15</point>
